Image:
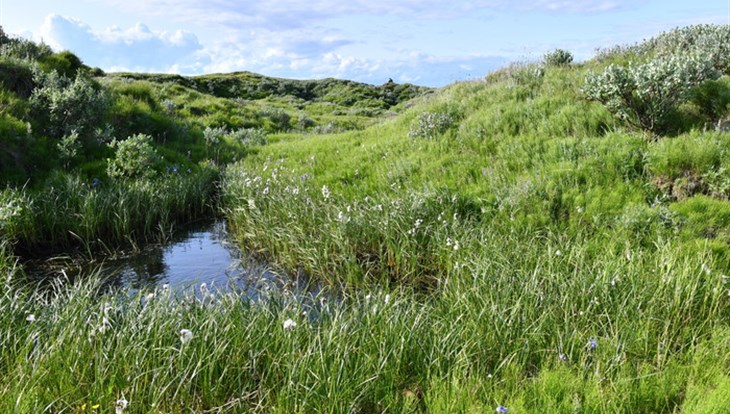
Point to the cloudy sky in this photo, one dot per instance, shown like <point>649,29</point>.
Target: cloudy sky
<point>428,42</point>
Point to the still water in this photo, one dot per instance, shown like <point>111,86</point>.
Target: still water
<point>201,254</point>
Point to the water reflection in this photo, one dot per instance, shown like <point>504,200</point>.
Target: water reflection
<point>201,254</point>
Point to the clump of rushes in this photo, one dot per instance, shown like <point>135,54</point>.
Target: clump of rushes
<point>70,210</point>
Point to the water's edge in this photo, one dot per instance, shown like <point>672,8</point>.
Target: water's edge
<point>202,253</point>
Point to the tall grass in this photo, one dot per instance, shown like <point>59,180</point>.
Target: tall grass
<point>69,211</point>
<point>556,270</point>
<point>519,326</point>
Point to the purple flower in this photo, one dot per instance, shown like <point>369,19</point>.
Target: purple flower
<point>592,344</point>
<point>95,182</point>
<point>502,409</point>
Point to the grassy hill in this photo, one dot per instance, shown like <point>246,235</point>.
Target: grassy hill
<point>553,238</point>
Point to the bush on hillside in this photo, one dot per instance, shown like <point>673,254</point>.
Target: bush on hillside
<point>65,63</point>
<point>707,40</point>
<point>16,75</point>
<point>558,57</point>
<point>249,136</point>
<point>135,157</point>
<point>279,118</point>
<point>25,49</point>
<point>68,105</point>
<point>429,125</point>
<point>646,95</point>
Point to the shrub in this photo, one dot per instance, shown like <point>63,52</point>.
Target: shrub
<point>707,40</point>
<point>25,49</point>
<point>429,125</point>
<point>213,136</point>
<point>65,63</point>
<point>249,136</point>
<point>135,157</point>
<point>69,147</point>
<point>646,95</point>
<point>16,75</point>
<point>279,119</point>
<point>558,57</point>
<point>68,105</point>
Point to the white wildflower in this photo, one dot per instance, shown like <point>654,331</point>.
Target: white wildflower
<point>325,192</point>
<point>105,325</point>
<point>289,324</point>
<point>185,336</point>
<point>121,405</point>
<point>30,318</point>
<point>558,253</point>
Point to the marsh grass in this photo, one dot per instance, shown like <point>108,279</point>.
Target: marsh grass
<point>69,211</point>
<point>509,328</point>
<point>536,234</point>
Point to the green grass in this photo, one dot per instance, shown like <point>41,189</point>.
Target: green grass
<point>503,330</point>
<point>70,211</point>
<point>496,242</point>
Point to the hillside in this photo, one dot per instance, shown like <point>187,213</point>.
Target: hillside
<point>40,110</point>
<point>552,238</point>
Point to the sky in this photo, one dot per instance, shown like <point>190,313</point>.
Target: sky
<point>426,42</point>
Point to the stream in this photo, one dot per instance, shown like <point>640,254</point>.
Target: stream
<point>203,253</point>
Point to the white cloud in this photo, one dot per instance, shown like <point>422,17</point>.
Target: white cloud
<point>280,14</point>
<point>297,53</point>
<point>134,48</point>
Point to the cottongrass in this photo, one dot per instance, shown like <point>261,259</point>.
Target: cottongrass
<point>503,330</point>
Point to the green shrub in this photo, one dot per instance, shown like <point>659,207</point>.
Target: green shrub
<point>249,136</point>
<point>65,63</point>
<point>558,57</point>
<point>646,95</point>
<point>135,157</point>
<point>25,49</point>
<point>68,105</point>
<point>279,119</point>
<point>707,40</point>
<point>16,75</point>
<point>69,147</point>
<point>429,125</point>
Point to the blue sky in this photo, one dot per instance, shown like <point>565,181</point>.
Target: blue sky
<point>428,42</point>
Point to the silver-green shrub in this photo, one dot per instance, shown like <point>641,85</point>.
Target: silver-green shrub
<point>707,40</point>
<point>558,57</point>
<point>135,157</point>
<point>429,125</point>
<point>249,136</point>
<point>68,104</point>
<point>213,136</point>
<point>645,95</point>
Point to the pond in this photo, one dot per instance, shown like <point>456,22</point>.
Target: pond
<point>202,253</point>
